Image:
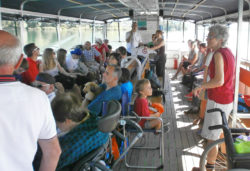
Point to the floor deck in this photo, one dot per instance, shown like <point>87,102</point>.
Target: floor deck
<point>182,144</point>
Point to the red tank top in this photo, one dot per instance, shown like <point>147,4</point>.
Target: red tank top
<point>225,93</point>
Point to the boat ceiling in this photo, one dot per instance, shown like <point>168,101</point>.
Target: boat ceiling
<point>196,10</point>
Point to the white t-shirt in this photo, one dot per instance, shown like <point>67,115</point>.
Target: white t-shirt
<point>25,117</point>
<point>71,63</point>
<point>134,42</point>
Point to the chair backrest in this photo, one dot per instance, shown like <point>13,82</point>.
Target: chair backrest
<point>109,121</point>
<point>125,104</point>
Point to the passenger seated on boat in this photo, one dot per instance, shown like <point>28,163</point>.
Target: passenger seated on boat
<point>32,52</point>
<point>151,44</point>
<point>78,133</point>
<point>46,83</point>
<point>106,44</point>
<point>23,67</point>
<point>141,105</point>
<point>89,54</point>
<point>73,64</point>
<point>199,64</point>
<point>126,84</point>
<point>111,87</point>
<point>197,82</point>
<point>114,59</point>
<point>101,49</point>
<point>52,67</point>
<point>192,57</point>
<point>61,57</point>
<point>123,52</point>
<point>110,49</point>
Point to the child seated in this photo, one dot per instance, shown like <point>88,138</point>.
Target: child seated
<point>143,88</point>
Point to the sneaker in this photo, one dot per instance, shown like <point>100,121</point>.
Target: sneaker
<point>189,95</point>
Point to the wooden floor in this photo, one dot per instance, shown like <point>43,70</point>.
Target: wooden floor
<point>182,144</point>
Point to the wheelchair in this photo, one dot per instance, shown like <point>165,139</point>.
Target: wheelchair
<point>231,160</point>
<point>107,123</point>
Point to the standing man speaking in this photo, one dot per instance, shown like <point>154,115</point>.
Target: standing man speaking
<point>133,39</point>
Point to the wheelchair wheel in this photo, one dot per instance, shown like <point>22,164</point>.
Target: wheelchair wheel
<point>221,160</point>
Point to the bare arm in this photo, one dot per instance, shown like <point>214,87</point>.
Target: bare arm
<point>218,79</point>
<point>51,152</point>
<point>193,61</point>
<point>162,43</point>
<point>129,37</point>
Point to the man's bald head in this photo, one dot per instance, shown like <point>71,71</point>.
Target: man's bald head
<point>10,49</point>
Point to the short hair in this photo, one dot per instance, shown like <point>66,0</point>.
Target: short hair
<point>10,54</point>
<point>68,106</point>
<point>159,31</point>
<point>117,71</point>
<point>140,85</point>
<point>110,47</point>
<point>117,57</point>
<point>220,32</point>
<point>61,56</point>
<point>80,47</point>
<point>125,75</point>
<point>46,78</point>
<point>122,50</point>
<point>24,64</point>
<point>203,45</point>
<point>28,49</point>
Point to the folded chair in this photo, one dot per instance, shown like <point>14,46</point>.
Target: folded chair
<point>126,113</point>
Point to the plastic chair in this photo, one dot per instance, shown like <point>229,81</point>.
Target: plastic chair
<point>133,116</point>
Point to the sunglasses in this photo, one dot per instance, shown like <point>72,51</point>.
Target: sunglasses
<point>36,49</point>
<point>40,85</point>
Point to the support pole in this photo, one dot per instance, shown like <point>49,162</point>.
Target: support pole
<point>238,58</point>
<point>196,31</point>
<point>119,33</point>
<point>93,31</point>
<point>58,31</point>
<point>183,32</point>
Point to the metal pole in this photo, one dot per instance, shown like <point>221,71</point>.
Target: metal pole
<point>58,31</point>
<point>80,29</point>
<point>167,37</point>
<point>238,57</point>
<point>119,34</point>
<point>183,32</point>
<point>204,30</point>
<point>196,31</point>
<point>93,30</point>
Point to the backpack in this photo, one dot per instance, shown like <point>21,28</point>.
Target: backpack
<point>152,77</point>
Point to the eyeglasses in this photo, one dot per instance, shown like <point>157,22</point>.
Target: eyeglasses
<point>40,85</point>
<point>36,49</point>
<point>209,37</point>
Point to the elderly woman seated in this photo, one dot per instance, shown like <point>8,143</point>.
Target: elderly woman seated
<point>78,133</point>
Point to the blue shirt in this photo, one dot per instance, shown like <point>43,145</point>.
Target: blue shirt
<point>114,93</point>
<point>81,140</point>
<point>128,86</point>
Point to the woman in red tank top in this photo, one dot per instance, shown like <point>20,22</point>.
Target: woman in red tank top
<point>220,87</point>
